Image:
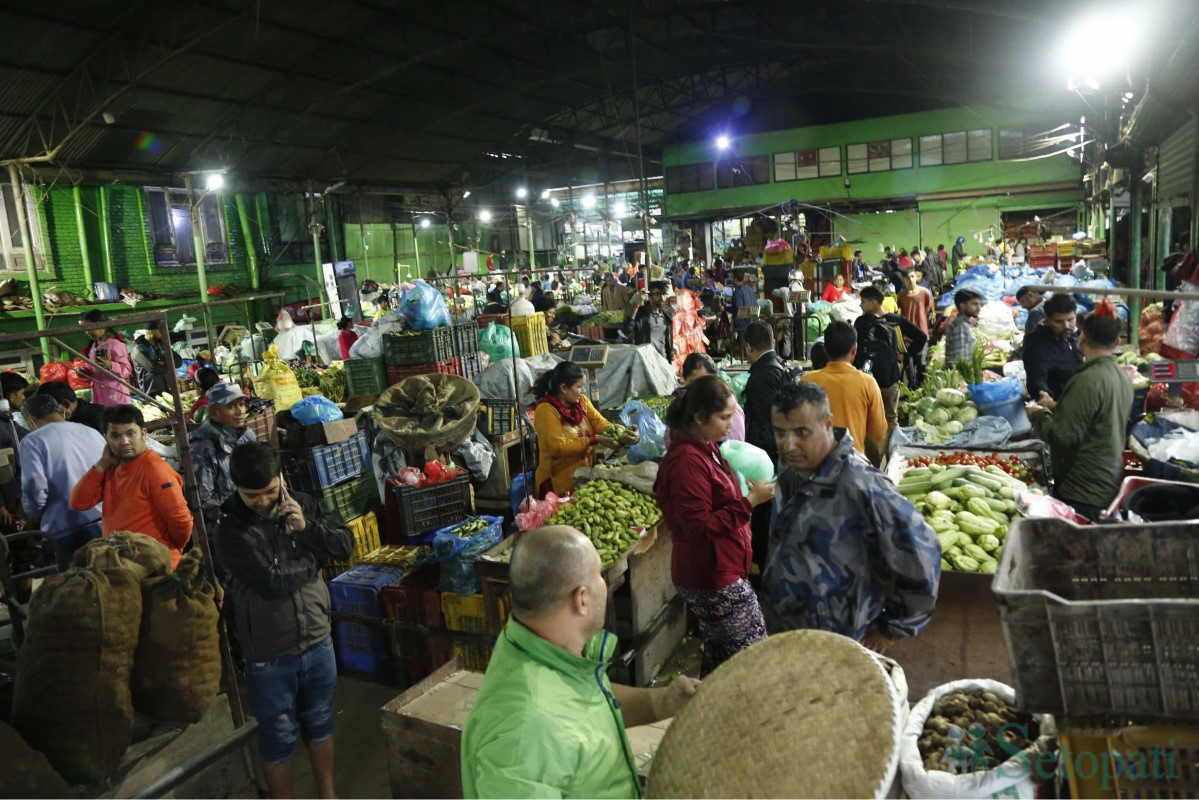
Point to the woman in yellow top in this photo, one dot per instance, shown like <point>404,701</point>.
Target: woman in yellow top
<point>568,428</point>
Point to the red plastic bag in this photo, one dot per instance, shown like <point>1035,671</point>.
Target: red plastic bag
<point>534,512</point>
<point>437,472</point>
<point>54,371</point>
<point>410,476</point>
<point>77,380</point>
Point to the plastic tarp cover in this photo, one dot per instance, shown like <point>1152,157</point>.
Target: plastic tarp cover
<point>632,371</point>
<point>289,342</point>
<point>979,433</point>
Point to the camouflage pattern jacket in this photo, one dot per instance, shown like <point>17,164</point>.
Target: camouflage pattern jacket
<point>847,551</point>
<point>211,445</point>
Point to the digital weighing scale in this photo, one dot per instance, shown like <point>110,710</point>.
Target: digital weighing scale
<point>592,358</point>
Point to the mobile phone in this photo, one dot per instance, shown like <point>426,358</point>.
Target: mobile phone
<point>100,354</point>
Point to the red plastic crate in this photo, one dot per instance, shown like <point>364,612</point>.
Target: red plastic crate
<point>397,374</point>
<point>415,600</point>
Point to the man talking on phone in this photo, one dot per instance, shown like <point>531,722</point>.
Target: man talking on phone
<point>271,545</point>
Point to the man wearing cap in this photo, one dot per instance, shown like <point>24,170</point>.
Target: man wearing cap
<point>212,444</point>
<point>150,361</point>
<point>653,324</point>
<point>547,721</point>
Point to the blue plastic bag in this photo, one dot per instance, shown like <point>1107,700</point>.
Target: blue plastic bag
<point>315,410</point>
<point>652,444</point>
<point>423,307</point>
<point>457,556</point>
<point>1001,391</point>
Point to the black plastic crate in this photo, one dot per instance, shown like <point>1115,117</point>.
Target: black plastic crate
<point>424,509</point>
<point>466,339</point>
<point>413,349</point>
<point>351,499</point>
<point>365,377</point>
<point>471,367</point>
<point>502,419</point>
<point>316,468</point>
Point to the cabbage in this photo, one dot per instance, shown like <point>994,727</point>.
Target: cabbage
<point>939,417</point>
<point>926,406</point>
<point>951,428</point>
<point>950,397</point>
<point>967,413</point>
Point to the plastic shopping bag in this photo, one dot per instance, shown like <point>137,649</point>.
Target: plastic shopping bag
<point>315,410</point>
<point>747,462</point>
<point>498,342</point>
<point>651,429</point>
<point>423,307</point>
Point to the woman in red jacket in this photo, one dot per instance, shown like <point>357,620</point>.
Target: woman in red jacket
<point>701,503</point>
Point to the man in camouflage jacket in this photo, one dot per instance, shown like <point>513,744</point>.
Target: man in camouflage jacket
<point>847,553</point>
<point>212,444</point>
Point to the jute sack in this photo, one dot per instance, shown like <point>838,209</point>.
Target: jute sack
<point>71,698</point>
<point>177,666</point>
<point>26,772</point>
<point>143,554</point>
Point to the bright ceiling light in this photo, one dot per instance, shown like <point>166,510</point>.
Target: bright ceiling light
<point>545,195</point>
<point>554,202</point>
<point>522,192</point>
<point>485,216</point>
<point>722,142</point>
<point>214,181</point>
<point>619,209</point>
<point>1089,64</point>
<point>466,194</point>
<point>424,223</point>
<point>588,201</point>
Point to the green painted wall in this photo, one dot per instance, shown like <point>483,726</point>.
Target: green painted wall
<point>984,176</point>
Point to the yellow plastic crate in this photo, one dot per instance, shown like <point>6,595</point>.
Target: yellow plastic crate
<point>365,530</point>
<point>531,334</point>
<point>1133,761</point>
<point>401,556</point>
<point>1065,249</point>
<point>845,251</point>
<point>467,613</point>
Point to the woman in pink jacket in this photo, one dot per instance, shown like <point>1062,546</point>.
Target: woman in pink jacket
<point>110,353</point>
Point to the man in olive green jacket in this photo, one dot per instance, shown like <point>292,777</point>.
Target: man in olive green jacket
<point>547,721</point>
<point>1086,427</point>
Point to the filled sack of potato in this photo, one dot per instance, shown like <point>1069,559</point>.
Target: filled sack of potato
<point>143,554</point>
<point>966,739</point>
<point>71,697</point>
<point>177,666</point>
<point>26,772</point>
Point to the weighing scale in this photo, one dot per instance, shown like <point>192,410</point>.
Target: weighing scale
<point>1174,371</point>
<point>592,358</point>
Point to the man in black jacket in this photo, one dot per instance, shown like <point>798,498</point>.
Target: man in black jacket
<point>767,374</point>
<point>885,342</point>
<point>83,412</point>
<point>271,544</point>
<point>653,324</point>
<point>1051,351</point>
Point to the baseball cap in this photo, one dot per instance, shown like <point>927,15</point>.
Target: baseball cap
<point>223,394</point>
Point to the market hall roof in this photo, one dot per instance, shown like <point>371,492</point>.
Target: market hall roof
<point>461,92</point>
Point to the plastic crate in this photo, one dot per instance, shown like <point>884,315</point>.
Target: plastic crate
<point>471,367</point>
<point>483,320</point>
<point>466,339</point>
<point>362,647</point>
<point>423,509</point>
<point>532,334</point>
<point>1118,511</point>
<point>365,530</point>
<point>352,499</point>
<point>415,600</point>
<point>316,468</point>
<point>500,419</point>
<point>1102,619</point>
<point>1107,758</point>
<point>263,426</point>
<point>411,349</point>
<point>466,613</point>
<point>365,377</point>
<point>397,374</point>
<point>592,332</point>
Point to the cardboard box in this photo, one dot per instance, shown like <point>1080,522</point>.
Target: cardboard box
<point>293,435</point>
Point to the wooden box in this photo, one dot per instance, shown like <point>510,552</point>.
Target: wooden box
<point>293,435</point>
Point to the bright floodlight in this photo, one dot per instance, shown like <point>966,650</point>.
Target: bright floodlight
<point>619,209</point>
<point>466,194</point>
<point>424,223</point>
<point>588,201</point>
<point>214,181</point>
<point>722,142</point>
<point>485,216</point>
<point>522,192</point>
<point>554,202</point>
<point>1088,65</point>
<point>545,195</point>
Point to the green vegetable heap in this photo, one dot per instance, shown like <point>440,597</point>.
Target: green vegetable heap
<point>607,512</point>
<point>941,416</point>
<point>332,383</point>
<point>969,508</point>
<point>604,318</point>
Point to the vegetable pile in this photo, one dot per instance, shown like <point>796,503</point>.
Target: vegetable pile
<point>604,318</point>
<point>980,716</point>
<point>1012,465</point>
<point>608,513</point>
<point>332,383</point>
<point>969,508</point>
<point>941,416</point>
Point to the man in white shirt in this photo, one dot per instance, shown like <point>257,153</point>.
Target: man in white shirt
<point>54,456</point>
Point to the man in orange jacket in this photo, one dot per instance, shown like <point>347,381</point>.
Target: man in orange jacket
<point>140,491</point>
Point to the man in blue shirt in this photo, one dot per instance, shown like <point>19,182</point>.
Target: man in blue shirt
<point>744,296</point>
<point>54,456</point>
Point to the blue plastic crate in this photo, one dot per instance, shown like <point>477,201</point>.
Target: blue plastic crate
<point>316,468</point>
<point>361,647</point>
<point>457,556</point>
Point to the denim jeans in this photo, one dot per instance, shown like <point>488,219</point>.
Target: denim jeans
<point>290,695</point>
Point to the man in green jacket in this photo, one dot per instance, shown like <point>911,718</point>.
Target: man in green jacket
<point>1086,427</point>
<point>547,721</point>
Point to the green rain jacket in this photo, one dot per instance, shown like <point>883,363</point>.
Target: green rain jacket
<point>545,723</point>
<point>1086,433</point>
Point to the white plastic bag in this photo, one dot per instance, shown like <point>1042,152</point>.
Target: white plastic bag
<point>369,344</point>
<point>284,322</point>
<point>847,309</point>
<point>996,319</point>
<point>1018,776</point>
<point>523,308</point>
<point>1183,333</point>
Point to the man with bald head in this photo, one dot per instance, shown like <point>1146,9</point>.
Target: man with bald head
<point>547,721</point>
